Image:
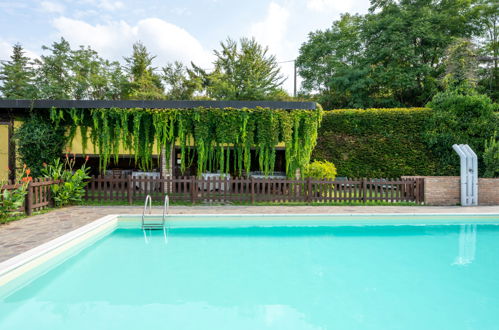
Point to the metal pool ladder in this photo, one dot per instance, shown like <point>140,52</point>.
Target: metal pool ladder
<point>154,225</point>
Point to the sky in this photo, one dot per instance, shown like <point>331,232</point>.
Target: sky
<point>186,31</point>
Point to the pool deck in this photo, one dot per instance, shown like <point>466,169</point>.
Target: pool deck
<point>19,236</point>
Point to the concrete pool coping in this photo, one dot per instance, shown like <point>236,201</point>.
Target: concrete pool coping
<point>14,268</point>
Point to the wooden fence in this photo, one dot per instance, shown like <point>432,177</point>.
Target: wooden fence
<point>243,190</point>
<point>38,194</point>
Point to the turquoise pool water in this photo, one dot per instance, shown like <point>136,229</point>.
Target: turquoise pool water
<point>326,277</point>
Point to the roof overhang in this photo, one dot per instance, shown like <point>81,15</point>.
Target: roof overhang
<point>149,104</point>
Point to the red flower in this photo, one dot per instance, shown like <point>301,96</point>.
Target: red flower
<point>26,179</point>
<point>86,158</point>
<point>28,171</point>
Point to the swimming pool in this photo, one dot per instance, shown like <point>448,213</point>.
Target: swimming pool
<point>264,272</point>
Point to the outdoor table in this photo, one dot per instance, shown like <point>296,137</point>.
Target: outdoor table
<point>214,185</point>
<point>149,175</point>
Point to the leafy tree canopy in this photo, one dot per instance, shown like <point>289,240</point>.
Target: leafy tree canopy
<point>143,82</point>
<point>77,74</point>
<point>243,71</point>
<point>392,56</point>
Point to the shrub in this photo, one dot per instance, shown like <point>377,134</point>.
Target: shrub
<point>38,141</point>
<point>376,143</point>
<point>460,118</point>
<point>320,170</point>
<point>491,157</point>
<point>12,200</point>
<point>71,191</point>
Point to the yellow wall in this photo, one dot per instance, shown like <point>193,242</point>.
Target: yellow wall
<point>4,152</point>
<point>75,147</point>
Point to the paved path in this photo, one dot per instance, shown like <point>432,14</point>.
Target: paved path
<point>19,236</point>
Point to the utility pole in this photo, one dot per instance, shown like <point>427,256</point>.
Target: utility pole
<point>294,90</point>
<point>295,74</point>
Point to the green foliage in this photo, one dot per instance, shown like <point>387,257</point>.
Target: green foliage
<point>461,66</point>
<point>491,157</point>
<point>212,132</point>
<point>78,74</point>
<point>320,170</point>
<point>330,63</point>
<point>242,71</point>
<point>486,19</point>
<point>143,82</point>
<point>72,190</point>
<point>38,142</point>
<point>177,81</point>
<point>12,200</point>
<point>377,143</point>
<point>390,57</point>
<point>16,76</point>
<point>460,119</point>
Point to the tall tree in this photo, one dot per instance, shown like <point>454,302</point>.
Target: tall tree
<point>405,44</point>
<point>66,73</point>
<point>243,71</point>
<point>487,25</point>
<point>143,82</point>
<point>16,76</point>
<point>330,63</point>
<point>95,78</point>
<point>390,57</point>
<point>178,82</point>
<point>53,75</point>
<point>461,66</point>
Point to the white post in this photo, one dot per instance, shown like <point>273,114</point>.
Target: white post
<point>469,174</point>
<point>474,175</point>
<point>462,156</point>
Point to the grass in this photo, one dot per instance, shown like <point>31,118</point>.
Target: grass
<point>19,216</point>
<point>183,203</point>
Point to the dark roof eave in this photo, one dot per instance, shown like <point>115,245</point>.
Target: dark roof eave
<point>150,104</point>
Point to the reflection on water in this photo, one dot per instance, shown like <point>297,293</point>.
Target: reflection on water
<point>150,234</point>
<point>467,245</point>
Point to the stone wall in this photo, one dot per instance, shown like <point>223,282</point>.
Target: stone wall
<point>445,191</point>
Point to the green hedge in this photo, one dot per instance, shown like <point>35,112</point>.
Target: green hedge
<point>377,142</point>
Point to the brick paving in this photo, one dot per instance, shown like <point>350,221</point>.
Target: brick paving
<point>19,236</point>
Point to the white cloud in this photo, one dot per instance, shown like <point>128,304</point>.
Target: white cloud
<point>52,7</point>
<point>329,5</point>
<point>114,39</point>
<point>272,32</point>
<point>6,51</point>
<point>110,5</point>
<point>180,11</point>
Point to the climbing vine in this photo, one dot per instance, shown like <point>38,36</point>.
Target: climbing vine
<point>222,138</point>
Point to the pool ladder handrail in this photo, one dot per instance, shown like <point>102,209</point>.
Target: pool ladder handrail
<point>166,206</point>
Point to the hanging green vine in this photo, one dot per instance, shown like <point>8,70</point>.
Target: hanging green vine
<point>222,138</point>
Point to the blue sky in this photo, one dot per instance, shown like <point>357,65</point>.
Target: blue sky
<point>186,30</point>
